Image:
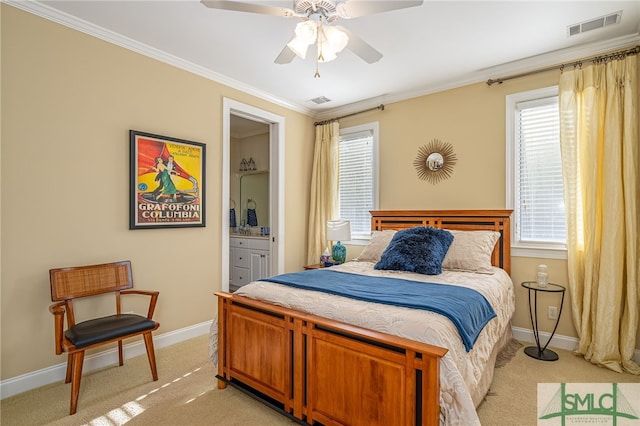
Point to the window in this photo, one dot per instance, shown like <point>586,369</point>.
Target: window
<point>358,179</point>
<point>534,180</point>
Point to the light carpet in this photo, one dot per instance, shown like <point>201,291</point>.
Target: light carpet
<point>187,394</point>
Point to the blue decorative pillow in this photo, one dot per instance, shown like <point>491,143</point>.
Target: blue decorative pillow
<point>420,250</point>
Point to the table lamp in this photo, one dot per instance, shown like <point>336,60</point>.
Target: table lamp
<point>339,230</point>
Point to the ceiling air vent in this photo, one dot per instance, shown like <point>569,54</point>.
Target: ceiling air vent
<point>320,100</point>
<point>593,24</point>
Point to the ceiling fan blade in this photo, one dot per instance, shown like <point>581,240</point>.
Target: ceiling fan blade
<point>286,56</point>
<point>357,8</point>
<point>361,47</point>
<point>249,7</point>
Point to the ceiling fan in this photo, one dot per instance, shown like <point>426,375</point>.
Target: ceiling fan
<point>317,25</point>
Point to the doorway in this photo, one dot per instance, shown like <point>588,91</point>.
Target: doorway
<point>232,110</point>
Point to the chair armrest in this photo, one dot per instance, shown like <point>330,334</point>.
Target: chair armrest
<point>152,302</point>
<point>58,310</point>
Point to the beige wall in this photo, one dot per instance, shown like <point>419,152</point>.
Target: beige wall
<point>68,102</point>
<point>472,119</point>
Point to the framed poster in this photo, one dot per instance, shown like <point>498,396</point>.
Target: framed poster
<point>167,182</point>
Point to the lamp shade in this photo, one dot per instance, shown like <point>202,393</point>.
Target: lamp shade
<point>307,31</point>
<point>330,41</point>
<point>325,53</point>
<point>306,34</point>
<point>338,230</point>
<point>337,39</point>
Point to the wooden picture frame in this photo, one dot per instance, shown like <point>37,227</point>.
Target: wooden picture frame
<point>167,182</point>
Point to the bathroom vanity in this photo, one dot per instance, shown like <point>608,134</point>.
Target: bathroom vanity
<point>249,259</point>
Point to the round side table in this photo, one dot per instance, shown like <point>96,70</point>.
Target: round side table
<point>541,352</point>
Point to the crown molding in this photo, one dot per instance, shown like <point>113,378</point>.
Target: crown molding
<point>482,75</point>
<point>54,15</point>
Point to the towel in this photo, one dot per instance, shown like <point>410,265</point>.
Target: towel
<point>232,218</point>
<point>252,218</point>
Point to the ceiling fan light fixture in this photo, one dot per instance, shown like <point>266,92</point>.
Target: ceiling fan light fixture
<point>335,38</point>
<point>307,31</point>
<point>326,51</point>
<point>319,12</point>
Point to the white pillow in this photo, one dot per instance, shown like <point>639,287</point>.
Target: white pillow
<point>471,251</point>
<point>377,245</point>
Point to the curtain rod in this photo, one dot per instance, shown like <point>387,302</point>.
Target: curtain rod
<point>596,59</point>
<point>320,123</point>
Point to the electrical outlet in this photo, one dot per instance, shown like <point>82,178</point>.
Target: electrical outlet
<point>553,312</point>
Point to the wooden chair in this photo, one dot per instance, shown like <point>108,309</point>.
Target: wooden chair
<point>68,284</point>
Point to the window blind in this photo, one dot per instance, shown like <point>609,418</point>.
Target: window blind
<point>539,194</point>
<point>356,184</point>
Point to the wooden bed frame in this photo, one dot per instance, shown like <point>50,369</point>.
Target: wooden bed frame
<point>316,370</point>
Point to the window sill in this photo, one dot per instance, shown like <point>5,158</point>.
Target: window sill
<point>356,242</point>
<point>542,253</point>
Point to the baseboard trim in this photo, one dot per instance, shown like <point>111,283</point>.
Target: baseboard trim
<point>56,373</point>
<point>559,341</point>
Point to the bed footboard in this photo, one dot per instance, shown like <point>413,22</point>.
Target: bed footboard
<point>324,371</point>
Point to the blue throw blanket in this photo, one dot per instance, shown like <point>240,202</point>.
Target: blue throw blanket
<point>466,308</point>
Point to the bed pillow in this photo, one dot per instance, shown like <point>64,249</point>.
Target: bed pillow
<point>378,243</point>
<point>420,250</point>
<point>471,251</point>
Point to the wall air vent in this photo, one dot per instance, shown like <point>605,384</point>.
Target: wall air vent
<point>320,100</point>
<point>593,24</point>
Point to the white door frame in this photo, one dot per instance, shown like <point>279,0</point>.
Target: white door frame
<point>276,182</point>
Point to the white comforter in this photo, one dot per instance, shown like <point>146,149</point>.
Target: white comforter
<point>460,371</point>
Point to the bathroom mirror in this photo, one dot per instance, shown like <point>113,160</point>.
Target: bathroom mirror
<point>435,161</point>
<point>254,195</point>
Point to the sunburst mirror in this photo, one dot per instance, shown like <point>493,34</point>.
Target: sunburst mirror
<point>435,161</point>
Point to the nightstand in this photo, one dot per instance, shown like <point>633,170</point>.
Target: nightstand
<point>314,266</point>
<point>539,352</point>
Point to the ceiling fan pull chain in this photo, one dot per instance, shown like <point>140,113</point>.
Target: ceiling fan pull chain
<point>319,57</point>
<point>319,40</point>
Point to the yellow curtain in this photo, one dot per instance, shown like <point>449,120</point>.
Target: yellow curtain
<point>600,161</point>
<point>323,204</point>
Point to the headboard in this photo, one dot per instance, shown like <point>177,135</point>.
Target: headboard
<point>466,220</point>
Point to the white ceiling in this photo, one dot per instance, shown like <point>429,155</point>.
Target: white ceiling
<point>435,46</point>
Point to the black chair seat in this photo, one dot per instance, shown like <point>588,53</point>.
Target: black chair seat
<point>101,329</point>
